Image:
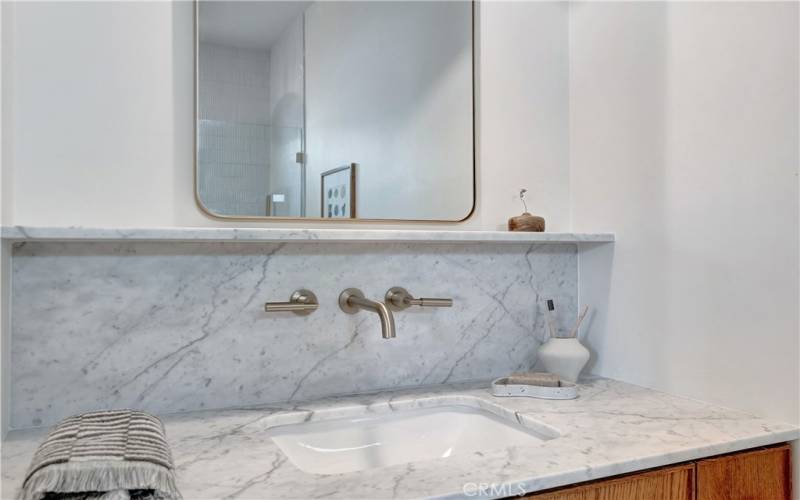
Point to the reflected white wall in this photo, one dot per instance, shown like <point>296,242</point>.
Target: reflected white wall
<point>389,86</point>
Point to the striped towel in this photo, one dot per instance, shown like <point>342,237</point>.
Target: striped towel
<point>113,455</point>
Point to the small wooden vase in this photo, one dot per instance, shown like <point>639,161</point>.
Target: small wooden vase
<point>526,222</point>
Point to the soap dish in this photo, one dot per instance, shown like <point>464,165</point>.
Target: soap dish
<point>566,390</point>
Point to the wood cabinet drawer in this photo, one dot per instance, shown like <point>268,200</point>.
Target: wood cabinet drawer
<point>763,474</point>
<point>760,474</point>
<point>670,483</point>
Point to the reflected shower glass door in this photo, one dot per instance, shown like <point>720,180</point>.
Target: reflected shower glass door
<point>287,173</point>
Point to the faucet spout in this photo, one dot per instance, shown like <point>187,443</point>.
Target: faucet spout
<point>385,315</point>
<point>352,300</point>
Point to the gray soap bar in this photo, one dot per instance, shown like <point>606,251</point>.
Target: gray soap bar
<point>543,379</point>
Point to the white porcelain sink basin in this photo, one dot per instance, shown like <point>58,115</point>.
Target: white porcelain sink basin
<point>370,441</point>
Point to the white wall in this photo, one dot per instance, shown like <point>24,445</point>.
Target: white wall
<point>103,92</point>
<point>684,140</point>
<point>93,121</point>
<point>6,184</point>
<point>523,112</point>
<point>5,281</point>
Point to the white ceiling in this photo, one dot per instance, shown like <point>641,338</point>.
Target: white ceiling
<point>246,24</point>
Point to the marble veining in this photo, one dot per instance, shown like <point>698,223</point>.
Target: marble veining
<point>611,428</point>
<point>167,327</point>
<point>76,233</point>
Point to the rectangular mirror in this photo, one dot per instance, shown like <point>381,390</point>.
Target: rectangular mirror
<point>335,110</point>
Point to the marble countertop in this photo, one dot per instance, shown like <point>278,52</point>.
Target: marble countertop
<point>612,428</point>
<point>204,234</point>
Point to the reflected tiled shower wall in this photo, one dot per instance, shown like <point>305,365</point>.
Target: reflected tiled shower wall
<point>234,129</point>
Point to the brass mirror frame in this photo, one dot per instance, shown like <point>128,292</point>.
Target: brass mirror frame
<point>265,218</point>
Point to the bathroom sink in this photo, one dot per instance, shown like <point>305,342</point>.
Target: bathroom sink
<point>369,441</point>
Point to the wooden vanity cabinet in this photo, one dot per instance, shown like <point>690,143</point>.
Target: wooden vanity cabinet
<point>760,474</point>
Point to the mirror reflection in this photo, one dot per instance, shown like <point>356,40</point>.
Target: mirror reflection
<point>335,110</point>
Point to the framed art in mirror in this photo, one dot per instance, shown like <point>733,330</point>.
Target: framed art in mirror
<point>338,191</point>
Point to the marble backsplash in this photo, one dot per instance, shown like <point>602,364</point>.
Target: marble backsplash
<point>168,327</point>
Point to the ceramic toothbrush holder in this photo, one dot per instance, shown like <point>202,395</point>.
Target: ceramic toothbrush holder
<point>564,357</point>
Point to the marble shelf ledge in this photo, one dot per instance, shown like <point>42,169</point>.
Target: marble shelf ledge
<point>203,234</point>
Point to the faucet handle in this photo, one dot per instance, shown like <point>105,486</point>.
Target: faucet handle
<point>398,299</point>
<point>302,302</point>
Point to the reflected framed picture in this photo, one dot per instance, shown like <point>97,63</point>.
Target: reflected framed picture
<point>339,192</point>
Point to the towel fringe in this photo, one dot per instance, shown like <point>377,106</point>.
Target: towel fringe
<point>75,477</point>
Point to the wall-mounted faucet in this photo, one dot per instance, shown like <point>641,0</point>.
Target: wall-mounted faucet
<point>352,300</point>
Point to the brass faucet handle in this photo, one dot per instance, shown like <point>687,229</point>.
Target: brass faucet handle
<point>431,302</point>
<point>302,302</point>
<point>398,299</point>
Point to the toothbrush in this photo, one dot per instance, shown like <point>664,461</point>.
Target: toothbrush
<point>574,332</point>
<point>548,312</point>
